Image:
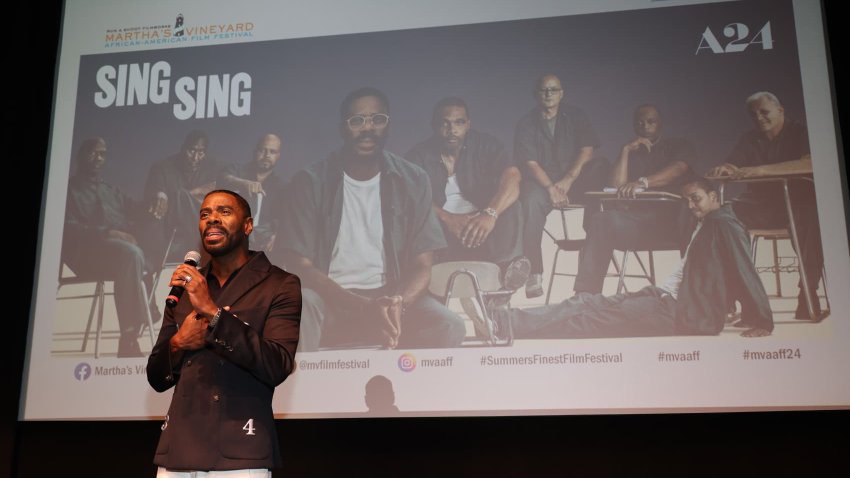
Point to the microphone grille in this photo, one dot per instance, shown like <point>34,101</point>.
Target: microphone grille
<point>193,256</point>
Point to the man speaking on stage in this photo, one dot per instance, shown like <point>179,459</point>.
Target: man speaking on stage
<point>225,346</point>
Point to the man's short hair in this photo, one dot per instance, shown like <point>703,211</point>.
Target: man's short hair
<point>86,147</point>
<point>763,94</point>
<point>266,136</point>
<point>700,182</point>
<point>246,208</point>
<point>193,137</point>
<point>345,106</point>
<point>445,102</point>
<point>546,75</point>
<point>647,105</point>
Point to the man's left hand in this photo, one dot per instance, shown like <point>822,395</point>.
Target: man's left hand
<point>192,333</point>
<point>628,190</point>
<point>745,172</point>
<point>477,230</point>
<point>389,317</point>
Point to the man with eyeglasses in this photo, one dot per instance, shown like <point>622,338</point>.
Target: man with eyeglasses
<point>553,145</point>
<point>360,232</point>
<point>474,186</point>
<point>176,187</point>
<point>256,181</point>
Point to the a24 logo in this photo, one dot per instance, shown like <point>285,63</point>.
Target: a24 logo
<point>737,36</point>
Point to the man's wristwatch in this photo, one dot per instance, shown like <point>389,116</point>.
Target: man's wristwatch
<point>490,212</point>
<point>214,319</point>
<point>644,181</point>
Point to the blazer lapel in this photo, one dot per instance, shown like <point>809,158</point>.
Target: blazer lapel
<point>253,272</point>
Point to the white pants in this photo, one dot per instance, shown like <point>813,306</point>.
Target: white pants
<point>254,473</point>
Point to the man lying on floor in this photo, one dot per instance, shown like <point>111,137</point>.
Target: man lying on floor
<point>715,271</point>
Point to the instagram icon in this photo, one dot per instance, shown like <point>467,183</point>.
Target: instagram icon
<point>407,363</point>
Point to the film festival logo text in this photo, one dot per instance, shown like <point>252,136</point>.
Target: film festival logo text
<point>167,34</point>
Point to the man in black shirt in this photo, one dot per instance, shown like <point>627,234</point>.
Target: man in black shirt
<point>474,188</point>
<point>100,241</point>
<point>778,145</point>
<point>256,181</point>
<point>553,147</point>
<point>649,161</point>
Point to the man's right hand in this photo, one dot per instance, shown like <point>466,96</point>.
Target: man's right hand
<point>255,187</point>
<point>634,145</point>
<point>558,195</point>
<point>387,311</point>
<point>121,236</point>
<point>159,205</point>
<point>456,223</point>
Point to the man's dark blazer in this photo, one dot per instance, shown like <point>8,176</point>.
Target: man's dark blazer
<point>221,416</point>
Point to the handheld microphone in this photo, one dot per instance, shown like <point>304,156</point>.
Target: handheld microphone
<point>193,258</point>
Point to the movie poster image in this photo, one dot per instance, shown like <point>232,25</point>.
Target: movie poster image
<point>546,155</point>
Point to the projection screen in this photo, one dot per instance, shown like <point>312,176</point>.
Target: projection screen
<point>149,79</point>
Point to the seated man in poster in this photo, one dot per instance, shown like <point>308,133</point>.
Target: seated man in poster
<point>553,147</point>
<point>176,186</point>
<point>715,270</point>
<point>474,188</point>
<point>360,232</point>
<point>778,145</point>
<point>648,162</point>
<point>102,241</point>
<point>257,182</point>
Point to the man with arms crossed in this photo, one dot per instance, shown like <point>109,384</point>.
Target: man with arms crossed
<point>360,233</point>
<point>225,346</point>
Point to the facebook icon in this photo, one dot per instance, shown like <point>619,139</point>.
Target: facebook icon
<point>82,371</point>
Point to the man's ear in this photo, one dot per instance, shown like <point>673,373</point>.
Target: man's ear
<point>248,226</point>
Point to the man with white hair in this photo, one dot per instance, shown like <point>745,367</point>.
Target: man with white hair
<point>778,145</point>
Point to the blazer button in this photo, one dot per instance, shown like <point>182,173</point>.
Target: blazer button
<point>216,398</point>
<point>189,362</point>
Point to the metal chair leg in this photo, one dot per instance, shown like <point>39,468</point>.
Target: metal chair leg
<point>552,276</point>
<point>99,332</point>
